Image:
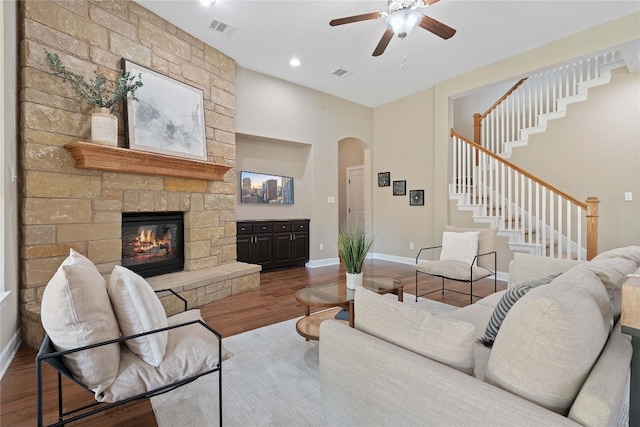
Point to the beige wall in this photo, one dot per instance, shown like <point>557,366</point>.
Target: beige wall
<point>272,109</point>
<point>595,151</point>
<point>9,332</point>
<point>404,146</point>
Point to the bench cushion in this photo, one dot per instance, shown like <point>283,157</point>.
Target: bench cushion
<point>191,350</point>
<point>452,270</point>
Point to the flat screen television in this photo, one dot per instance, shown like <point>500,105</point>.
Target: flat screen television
<point>265,188</point>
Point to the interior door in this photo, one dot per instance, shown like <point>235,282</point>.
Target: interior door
<point>355,194</point>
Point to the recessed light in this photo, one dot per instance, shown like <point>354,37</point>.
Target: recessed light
<point>295,62</point>
<point>207,2</point>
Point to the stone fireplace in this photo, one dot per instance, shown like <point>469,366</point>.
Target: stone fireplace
<point>74,194</point>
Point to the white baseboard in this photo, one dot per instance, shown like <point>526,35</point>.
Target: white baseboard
<point>502,276</point>
<point>394,258</point>
<point>322,262</point>
<point>9,352</point>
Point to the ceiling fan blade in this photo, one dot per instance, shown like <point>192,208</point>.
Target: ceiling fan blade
<point>430,2</point>
<point>355,18</point>
<point>437,27</point>
<point>384,42</point>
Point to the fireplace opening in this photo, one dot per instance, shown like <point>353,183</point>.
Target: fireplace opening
<point>153,242</point>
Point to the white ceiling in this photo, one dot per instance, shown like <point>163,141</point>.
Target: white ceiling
<point>269,33</point>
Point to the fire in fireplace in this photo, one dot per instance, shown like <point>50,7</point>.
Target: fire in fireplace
<point>153,242</point>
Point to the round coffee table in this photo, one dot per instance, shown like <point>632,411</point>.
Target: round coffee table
<point>337,296</point>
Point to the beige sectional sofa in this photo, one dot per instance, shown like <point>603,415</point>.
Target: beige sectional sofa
<point>559,357</point>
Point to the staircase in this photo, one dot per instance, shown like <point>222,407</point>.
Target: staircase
<point>535,216</point>
<point>527,107</point>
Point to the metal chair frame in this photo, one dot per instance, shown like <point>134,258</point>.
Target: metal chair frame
<point>470,281</point>
<point>48,354</point>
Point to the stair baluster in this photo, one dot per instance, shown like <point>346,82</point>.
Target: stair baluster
<point>525,108</point>
<point>538,217</point>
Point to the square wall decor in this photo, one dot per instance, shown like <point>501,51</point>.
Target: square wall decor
<point>400,188</point>
<point>416,198</point>
<point>384,179</point>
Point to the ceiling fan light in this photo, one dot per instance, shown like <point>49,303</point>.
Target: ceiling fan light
<point>403,21</point>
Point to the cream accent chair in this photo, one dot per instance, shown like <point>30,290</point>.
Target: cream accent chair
<point>466,255</point>
<point>115,341</point>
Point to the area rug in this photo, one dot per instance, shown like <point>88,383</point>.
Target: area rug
<point>272,379</point>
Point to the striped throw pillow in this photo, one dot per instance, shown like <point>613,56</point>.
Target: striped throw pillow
<point>506,302</point>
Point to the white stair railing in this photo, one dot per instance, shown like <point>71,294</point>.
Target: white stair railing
<point>533,100</point>
<point>539,214</point>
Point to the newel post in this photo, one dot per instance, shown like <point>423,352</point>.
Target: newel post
<point>477,126</point>
<point>592,227</point>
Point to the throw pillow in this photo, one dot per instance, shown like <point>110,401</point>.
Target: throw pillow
<point>138,310</point>
<point>551,339</point>
<point>612,273</point>
<point>445,340</point>
<point>76,312</point>
<point>486,243</point>
<point>461,247</point>
<point>527,267</point>
<point>504,305</point>
<point>628,252</point>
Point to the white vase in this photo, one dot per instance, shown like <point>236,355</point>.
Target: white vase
<point>354,280</point>
<point>104,127</point>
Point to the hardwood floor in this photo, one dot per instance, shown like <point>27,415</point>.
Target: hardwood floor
<point>274,301</point>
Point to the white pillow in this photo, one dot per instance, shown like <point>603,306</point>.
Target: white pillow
<point>138,310</point>
<point>461,247</point>
<point>76,312</point>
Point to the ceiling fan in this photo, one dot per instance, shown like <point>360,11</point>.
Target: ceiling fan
<point>401,17</point>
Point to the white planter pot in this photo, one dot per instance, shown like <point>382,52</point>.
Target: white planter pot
<point>104,127</point>
<point>354,280</point>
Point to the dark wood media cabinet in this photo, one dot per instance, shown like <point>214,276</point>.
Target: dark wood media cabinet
<point>273,244</point>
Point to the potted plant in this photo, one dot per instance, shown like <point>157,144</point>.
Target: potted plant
<point>100,92</point>
<point>354,242</point>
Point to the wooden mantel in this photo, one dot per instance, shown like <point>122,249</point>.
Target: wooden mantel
<point>90,155</point>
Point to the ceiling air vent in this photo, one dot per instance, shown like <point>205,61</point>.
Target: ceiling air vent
<point>222,27</point>
<point>341,72</point>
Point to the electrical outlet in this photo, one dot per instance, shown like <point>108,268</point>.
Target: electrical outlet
<point>322,246</point>
<point>410,245</point>
<point>628,196</point>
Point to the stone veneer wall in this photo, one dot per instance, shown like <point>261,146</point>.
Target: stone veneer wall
<point>64,207</point>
